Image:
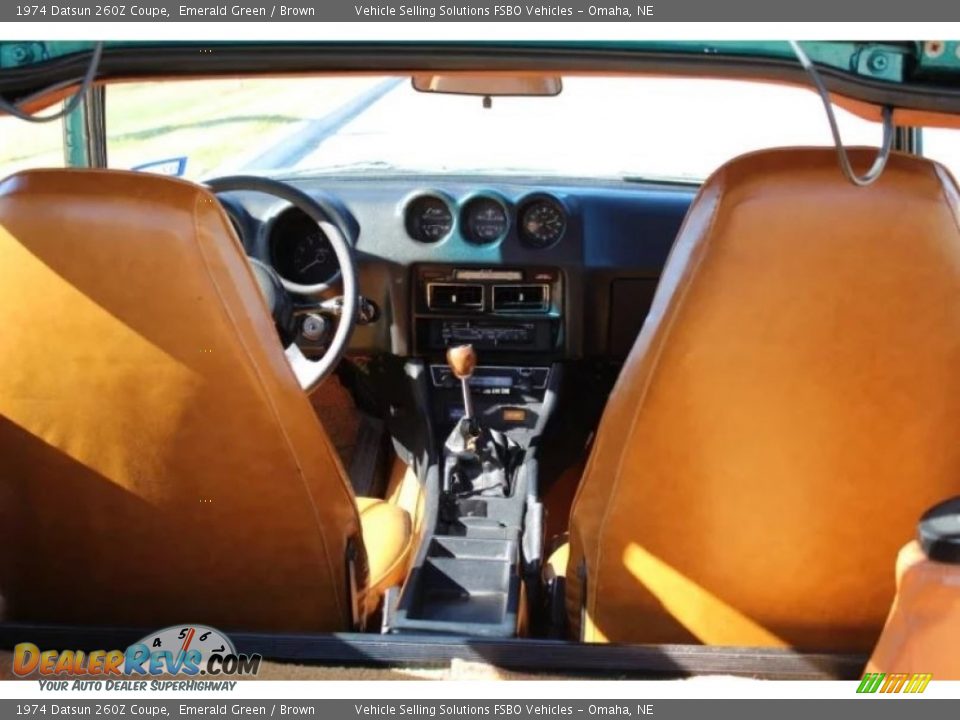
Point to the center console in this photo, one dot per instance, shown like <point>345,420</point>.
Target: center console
<point>513,318</point>
<point>491,337</point>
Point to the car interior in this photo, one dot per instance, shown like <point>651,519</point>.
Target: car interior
<point>565,424</point>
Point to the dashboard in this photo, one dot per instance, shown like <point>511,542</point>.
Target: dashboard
<point>518,267</point>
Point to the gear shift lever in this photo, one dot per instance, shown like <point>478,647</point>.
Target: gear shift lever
<point>462,361</point>
<point>479,461</point>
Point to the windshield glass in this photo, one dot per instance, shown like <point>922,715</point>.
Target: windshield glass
<point>597,127</point>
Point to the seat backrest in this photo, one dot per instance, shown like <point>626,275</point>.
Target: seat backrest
<point>790,408</point>
<point>159,462</point>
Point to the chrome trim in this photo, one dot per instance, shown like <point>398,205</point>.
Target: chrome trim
<point>485,274</point>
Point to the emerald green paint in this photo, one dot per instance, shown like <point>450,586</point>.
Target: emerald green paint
<point>75,138</point>
<point>938,57</point>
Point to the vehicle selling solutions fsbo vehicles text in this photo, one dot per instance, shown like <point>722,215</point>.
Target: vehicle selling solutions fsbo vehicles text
<point>502,11</point>
<point>504,709</point>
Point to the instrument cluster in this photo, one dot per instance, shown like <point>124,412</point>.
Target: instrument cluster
<point>540,220</point>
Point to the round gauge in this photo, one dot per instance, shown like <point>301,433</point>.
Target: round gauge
<point>484,220</point>
<point>299,250</point>
<point>428,219</point>
<point>542,223</point>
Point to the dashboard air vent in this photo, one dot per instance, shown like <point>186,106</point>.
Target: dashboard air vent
<point>524,298</point>
<point>454,296</point>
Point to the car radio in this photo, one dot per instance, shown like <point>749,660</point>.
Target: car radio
<point>490,334</point>
<point>454,332</point>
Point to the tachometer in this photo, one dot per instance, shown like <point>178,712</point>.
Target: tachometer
<point>299,250</point>
<point>542,222</point>
<point>428,219</point>
<point>485,220</point>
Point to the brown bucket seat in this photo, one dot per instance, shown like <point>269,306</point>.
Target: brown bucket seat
<point>159,462</point>
<point>789,410</point>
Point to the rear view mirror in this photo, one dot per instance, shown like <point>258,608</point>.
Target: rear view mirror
<point>489,85</point>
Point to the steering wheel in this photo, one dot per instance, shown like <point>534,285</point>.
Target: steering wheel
<point>310,373</point>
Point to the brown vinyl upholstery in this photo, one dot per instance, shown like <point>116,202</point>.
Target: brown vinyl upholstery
<point>787,413</point>
<point>924,623</point>
<point>389,532</point>
<point>160,463</point>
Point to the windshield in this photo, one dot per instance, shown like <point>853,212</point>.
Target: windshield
<point>597,127</point>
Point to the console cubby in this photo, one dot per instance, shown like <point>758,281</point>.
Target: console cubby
<point>464,585</point>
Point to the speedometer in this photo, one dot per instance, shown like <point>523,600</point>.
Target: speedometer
<point>311,258</point>
<point>542,222</point>
<point>300,251</point>
<point>485,220</point>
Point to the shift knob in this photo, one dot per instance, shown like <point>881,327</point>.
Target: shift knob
<point>462,361</point>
